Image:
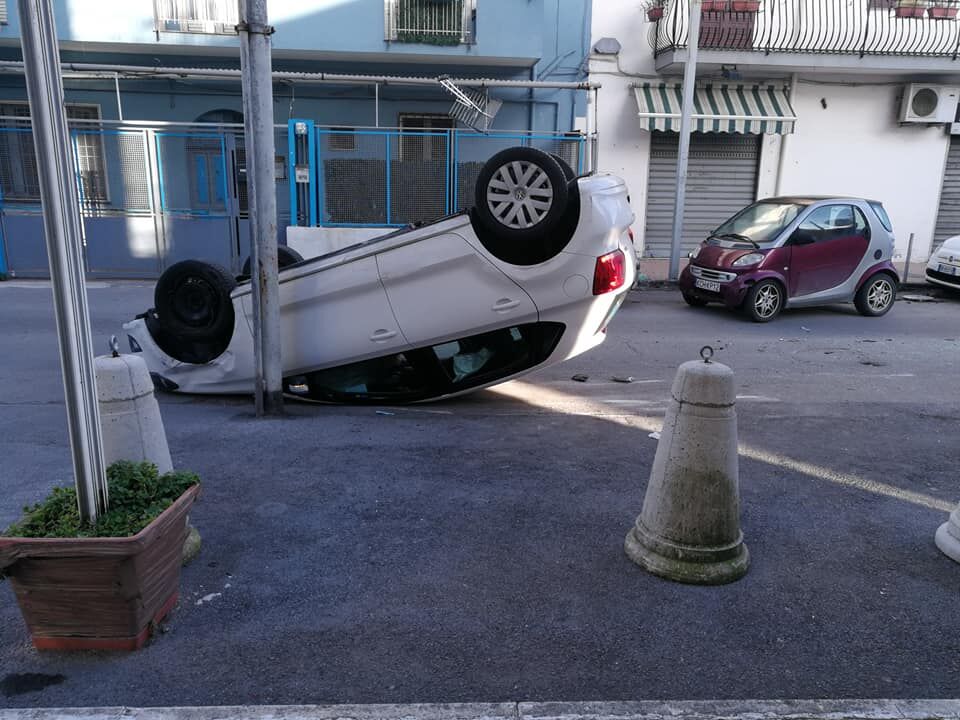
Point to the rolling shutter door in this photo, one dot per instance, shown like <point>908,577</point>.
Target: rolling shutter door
<point>721,179</point>
<point>948,216</point>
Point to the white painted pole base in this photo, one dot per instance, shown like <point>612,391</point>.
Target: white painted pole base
<point>689,529</point>
<point>129,414</point>
<point>948,536</point>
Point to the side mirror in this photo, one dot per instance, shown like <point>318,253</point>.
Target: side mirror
<point>803,237</point>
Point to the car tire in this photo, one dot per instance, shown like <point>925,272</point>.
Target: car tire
<point>876,296</point>
<point>521,194</point>
<point>694,301</point>
<point>764,301</point>
<point>194,311</point>
<point>286,256</point>
<point>568,172</point>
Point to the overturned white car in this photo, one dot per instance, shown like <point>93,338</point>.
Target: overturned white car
<point>531,276</point>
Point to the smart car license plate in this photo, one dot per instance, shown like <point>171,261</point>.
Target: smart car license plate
<point>711,285</point>
<point>947,269</point>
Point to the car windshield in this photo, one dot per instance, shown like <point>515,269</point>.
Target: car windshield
<point>759,223</point>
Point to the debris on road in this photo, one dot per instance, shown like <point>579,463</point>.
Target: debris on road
<point>580,378</point>
<point>918,298</point>
<point>622,378</point>
<point>384,412</point>
<point>654,435</point>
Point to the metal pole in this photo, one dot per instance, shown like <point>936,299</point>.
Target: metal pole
<point>255,61</point>
<point>376,105</point>
<point>906,264</point>
<point>61,223</point>
<point>683,155</point>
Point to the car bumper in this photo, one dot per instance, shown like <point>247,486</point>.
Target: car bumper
<point>943,279</point>
<point>731,293</point>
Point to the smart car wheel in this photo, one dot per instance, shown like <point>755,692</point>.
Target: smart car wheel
<point>194,309</point>
<point>764,301</point>
<point>521,194</point>
<point>876,296</point>
<point>694,301</point>
<point>286,256</point>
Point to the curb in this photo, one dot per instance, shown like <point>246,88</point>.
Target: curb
<point>644,710</point>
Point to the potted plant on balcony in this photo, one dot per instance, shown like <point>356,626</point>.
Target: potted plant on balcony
<point>943,10</point>
<point>101,585</point>
<point>654,10</point>
<point>910,8</point>
<point>750,6</point>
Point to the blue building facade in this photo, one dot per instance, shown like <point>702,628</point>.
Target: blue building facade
<point>155,151</point>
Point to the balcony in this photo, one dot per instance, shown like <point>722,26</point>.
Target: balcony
<point>430,22</point>
<point>878,35</point>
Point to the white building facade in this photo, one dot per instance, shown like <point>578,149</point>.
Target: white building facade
<point>794,97</point>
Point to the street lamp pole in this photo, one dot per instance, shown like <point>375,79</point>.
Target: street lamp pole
<point>64,235</point>
<point>256,71</point>
<point>683,155</point>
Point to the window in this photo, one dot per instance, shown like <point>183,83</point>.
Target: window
<point>434,371</point>
<point>18,161</point>
<point>3,12</point>
<point>830,222</point>
<point>419,147</point>
<point>761,222</point>
<point>433,22</point>
<point>342,139</point>
<point>882,214</point>
<point>209,17</point>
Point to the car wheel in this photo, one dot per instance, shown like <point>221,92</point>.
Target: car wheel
<point>876,296</point>
<point>764,301</point>
<point>194,310</point>
<point>568,172</point>
<point>286,256</point>
<point>521,194</point>
<point>694,301</point>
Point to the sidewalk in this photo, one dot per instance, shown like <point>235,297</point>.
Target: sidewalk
<point>678,710</point>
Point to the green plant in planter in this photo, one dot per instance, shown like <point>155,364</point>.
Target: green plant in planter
<point>138,494</point>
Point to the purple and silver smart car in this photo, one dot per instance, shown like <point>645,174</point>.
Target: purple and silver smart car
<point>796,252</point>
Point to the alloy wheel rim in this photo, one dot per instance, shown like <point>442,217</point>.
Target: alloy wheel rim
<point>520,194</point>
<point>767,301</point>
<point>880,295</point>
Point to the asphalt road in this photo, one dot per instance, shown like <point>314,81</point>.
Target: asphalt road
<point>472,550</point>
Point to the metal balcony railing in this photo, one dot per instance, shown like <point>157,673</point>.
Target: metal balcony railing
<point>433,22</point>
<point>211,17</point>
<point>849,27</point>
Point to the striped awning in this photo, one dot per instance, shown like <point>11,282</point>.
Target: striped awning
<point>724,108</point>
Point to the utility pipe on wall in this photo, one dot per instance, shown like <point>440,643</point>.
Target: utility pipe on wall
<point>784,139</point>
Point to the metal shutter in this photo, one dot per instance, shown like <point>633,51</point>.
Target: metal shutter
<point>948,216</point>
<point>721,179</point>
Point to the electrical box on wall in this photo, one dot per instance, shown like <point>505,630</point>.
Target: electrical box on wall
<point>931,104</point>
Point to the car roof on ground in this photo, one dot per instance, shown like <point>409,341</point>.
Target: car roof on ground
<point>811,199</point>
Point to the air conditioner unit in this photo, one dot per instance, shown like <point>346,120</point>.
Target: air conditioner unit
<point>929,104</point>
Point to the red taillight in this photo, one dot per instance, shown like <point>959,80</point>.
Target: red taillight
<point>610,272</point>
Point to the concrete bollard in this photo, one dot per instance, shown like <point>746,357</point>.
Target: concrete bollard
<point>689,528</point>
<point>129,414</point>
<point>948,536</point>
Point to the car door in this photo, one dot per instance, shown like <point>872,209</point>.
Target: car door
<point>826,248</point>
<point>441,288</point>
<point>334,316</point>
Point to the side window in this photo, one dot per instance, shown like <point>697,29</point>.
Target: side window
<point>828,223</point>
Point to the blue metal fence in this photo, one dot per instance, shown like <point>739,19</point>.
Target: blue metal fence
<point>389,178</point>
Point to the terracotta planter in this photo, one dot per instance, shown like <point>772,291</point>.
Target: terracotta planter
<point>714,5</point>
<point>98,593</point>
<point>746,6</point>
<point>909,11</point>
<point>654,13</point>
<point>942,13</point>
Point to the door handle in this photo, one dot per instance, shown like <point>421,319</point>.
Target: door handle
<point>504,305</point>
<point>383,335</point>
